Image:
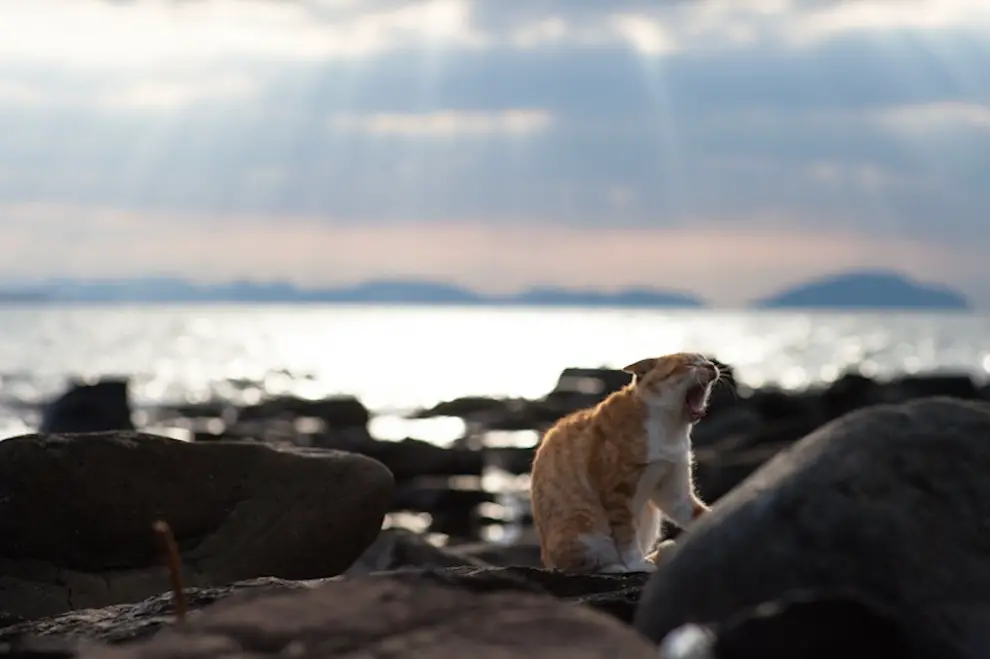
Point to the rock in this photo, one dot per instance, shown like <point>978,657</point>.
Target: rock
<point>400,548</point>
<point>76,514</point>
<point>334,411</point>
<point>397,548</point>
<point>615,594</point>
<point>35,648</point>
<point>736,420</point>
<point>464,407</point>
<point>889,502</point>
<point>122,623</point>
<point>410,458</point>
<point>102,406</point>
<point>390,617</point>
<point>956,385</point>
<point>523,553</point>
<point>342,602</point>
<point>850,392</point>
<point>805,625</point>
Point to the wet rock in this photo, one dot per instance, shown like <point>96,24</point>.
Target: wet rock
<point>76,514</point>
<point>102,406</point>
<point>889,502</point>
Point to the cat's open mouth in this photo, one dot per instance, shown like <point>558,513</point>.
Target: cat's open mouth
<point>695,405</point>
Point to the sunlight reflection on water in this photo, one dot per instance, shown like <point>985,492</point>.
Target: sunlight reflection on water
<point>398,359</point>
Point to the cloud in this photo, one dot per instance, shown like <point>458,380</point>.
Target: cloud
<point>213,123</point>
<point>927,117</point>
<point>171,95</point>
<point>447,123</point>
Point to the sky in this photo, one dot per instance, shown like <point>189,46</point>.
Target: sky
<point>725,147</point>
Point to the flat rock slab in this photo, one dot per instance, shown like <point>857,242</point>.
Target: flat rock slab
<point>890,504</point>
<point>391,618</point>
<point>76,514</point>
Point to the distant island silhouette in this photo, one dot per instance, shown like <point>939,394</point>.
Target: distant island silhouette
<point>873,289</point>
<point>852,290</point>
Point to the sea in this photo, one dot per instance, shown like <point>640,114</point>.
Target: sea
<point>398,359</point>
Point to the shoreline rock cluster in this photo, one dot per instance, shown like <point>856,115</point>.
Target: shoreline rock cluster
<point>850,515</point>
<point>742,430</point>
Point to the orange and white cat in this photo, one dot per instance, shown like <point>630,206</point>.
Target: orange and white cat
<point>603,477</point>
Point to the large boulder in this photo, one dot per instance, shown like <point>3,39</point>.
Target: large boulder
<point>76,514</point>
<point>891,503</point>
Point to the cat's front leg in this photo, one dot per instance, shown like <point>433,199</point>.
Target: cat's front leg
<point>675,497</point>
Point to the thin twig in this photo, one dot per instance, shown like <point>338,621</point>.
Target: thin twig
<point>171,552</point>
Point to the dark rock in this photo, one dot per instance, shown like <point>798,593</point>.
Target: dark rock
<point>718,472</point>
<point>777,405</point>
<point>956,385</point>
<point>410,458</point>
<point>464,407</point>
<point>889,502</point>
<point>615,594</point>
<point>399,548</point>
<point>736,421</point>
<point>38,648</point>
<point>122,623</point>
<point>335,411</point>
<point>519,554</point>
<point>102,406</point>
<point>76,514</point>
<point>804,625</point>
<point>850,392</point>
<point>390,617</point>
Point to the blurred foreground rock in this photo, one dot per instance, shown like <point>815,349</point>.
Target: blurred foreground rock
<point>802,625</point>
<point>889,504</point>
<point>76,515</point>
<point>510,611</point>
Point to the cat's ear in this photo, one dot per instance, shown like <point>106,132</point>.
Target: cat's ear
<point>641,368</point>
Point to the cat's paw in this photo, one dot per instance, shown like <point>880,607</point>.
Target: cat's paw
<point>659,550</point>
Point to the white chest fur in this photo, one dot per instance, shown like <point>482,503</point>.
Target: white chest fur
<point>668,453</point>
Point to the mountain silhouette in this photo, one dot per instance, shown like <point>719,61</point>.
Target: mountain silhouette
<point>871,289</point>
<point>384,291</point>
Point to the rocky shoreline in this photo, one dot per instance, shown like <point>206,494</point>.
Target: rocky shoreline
<point>866,511</point>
